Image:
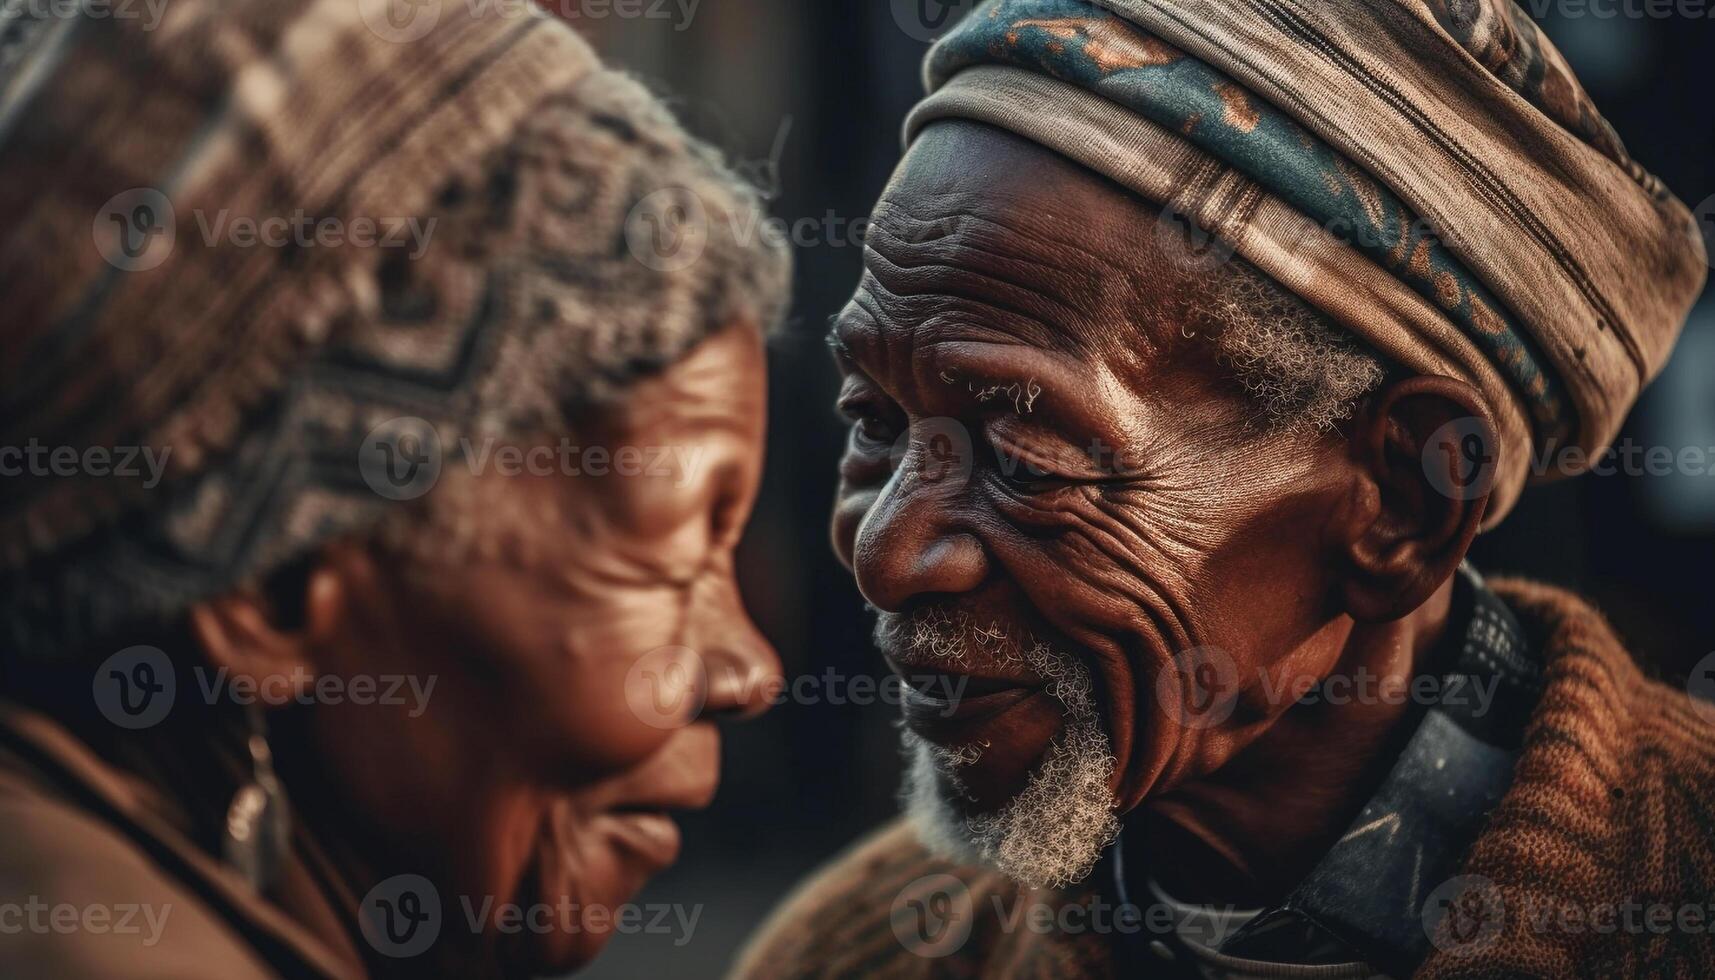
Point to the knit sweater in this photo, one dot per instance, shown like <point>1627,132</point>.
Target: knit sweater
<point>1599,861</point>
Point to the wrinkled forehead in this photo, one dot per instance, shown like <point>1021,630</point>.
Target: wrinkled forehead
<point>981,232</point>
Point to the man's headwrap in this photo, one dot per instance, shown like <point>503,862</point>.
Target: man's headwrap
<point>579,238</point>
<point>1428,173</point>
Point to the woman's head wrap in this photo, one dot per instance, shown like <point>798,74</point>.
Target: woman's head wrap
<point>1428,173</point>
<point>284,249</point>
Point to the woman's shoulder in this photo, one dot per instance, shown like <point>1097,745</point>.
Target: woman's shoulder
<point>78,898</point>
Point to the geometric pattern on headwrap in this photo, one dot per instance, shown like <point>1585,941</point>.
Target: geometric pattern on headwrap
<point>1081,43</point>
<point>263,370</point>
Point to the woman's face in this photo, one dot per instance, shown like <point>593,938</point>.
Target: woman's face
<point>582,627</point>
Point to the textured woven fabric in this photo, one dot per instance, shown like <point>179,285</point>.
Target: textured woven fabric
<point>256,372</point>
<point>1611,802</point>
<point>1432,176</point>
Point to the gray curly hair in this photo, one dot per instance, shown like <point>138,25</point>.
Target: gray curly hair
<point>1303,371</point>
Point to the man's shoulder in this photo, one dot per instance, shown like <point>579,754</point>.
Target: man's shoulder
<point>838,921</point>
<point>1612,807</point>
<point>888,907</point>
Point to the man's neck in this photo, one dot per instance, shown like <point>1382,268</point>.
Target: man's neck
<point>1247,834</point>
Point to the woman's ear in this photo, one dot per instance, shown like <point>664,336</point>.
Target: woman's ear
<point>1425,449</point>
<point>266,644</point>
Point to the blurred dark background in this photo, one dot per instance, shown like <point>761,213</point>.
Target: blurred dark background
<point>809,95</point>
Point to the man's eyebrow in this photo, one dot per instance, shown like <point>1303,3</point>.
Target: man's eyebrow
<point>835,342</point>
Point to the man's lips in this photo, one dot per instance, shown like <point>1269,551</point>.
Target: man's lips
<point>944,680</point>
<point>953,709</point>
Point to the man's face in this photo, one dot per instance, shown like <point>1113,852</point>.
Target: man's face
<point>556,612</point>
<point>1050,495</point>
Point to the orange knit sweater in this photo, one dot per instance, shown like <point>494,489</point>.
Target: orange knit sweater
<point>1601,855</point>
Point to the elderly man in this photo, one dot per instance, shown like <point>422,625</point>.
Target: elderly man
<point>1196,342</point>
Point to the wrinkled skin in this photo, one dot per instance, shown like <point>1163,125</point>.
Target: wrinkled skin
<point>995,263</point>
<point>547,758</point>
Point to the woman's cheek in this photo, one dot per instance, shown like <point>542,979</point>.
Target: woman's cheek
<point>621,686</point>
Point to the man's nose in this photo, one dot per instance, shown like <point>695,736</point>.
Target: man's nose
<point>742,670</point>
<point>910,544</point>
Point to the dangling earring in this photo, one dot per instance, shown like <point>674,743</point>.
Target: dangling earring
<point>258,824</point>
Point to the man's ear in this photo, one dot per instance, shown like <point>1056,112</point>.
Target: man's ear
<point>1425,450</point>
<point>269,643</point>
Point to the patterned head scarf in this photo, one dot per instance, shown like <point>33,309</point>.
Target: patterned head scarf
<point>475,227</point>
<point>1429,173</point>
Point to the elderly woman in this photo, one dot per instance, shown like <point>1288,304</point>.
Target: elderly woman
<point>1196,341</point>
<point>391,405</point>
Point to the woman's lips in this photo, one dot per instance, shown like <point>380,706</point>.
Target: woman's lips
<point>650,836</point>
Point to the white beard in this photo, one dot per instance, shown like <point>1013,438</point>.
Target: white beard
<point>1052,832</point>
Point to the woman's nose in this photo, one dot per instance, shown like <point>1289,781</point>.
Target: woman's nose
<point>743,672</point>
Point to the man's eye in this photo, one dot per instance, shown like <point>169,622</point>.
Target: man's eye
<point>1029,478</point>
<point>870,427</point>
